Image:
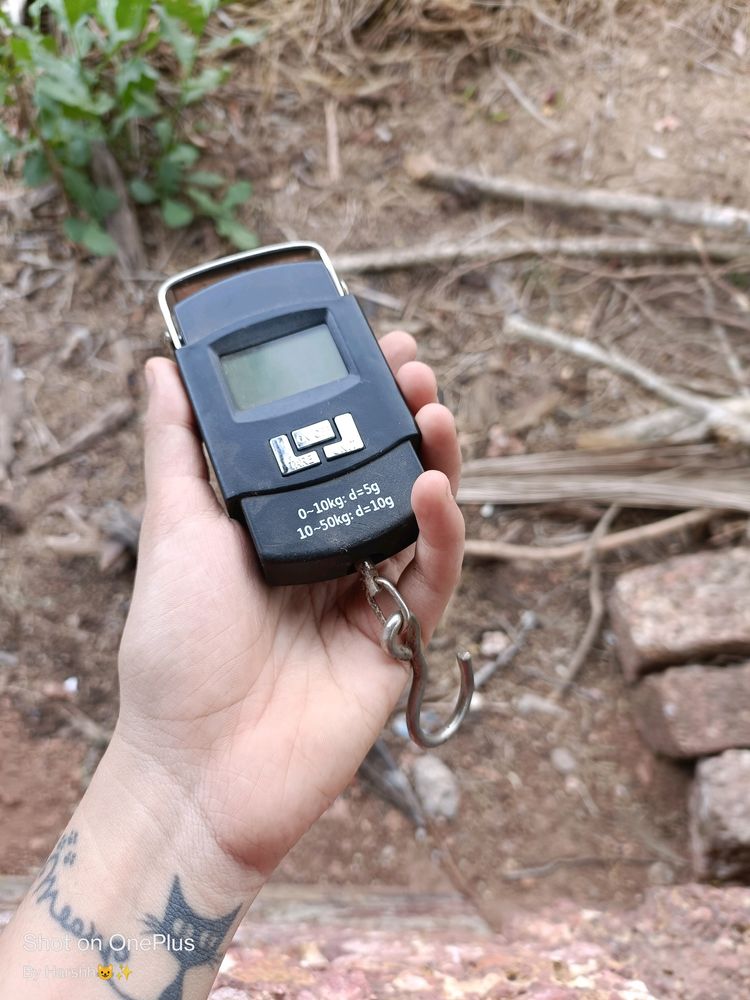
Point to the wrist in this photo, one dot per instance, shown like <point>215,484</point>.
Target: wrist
<point>146,818</point>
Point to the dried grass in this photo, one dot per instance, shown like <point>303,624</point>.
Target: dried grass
<point>339,34</point>
<point>362,49</point>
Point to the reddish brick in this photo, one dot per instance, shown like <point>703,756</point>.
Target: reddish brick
<point>694,711</point>
<point>686,609</point>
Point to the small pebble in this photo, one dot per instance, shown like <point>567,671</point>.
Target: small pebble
<point>70,685</point>
<point>487,510</point>
<point>660,873</point>
<point>563,760</point>
<point>494,643</point>
<point>436,786</point>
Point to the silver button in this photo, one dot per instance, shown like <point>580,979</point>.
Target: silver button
<point>287,461</point>
<point>350,439</point>
<point>306,437</point>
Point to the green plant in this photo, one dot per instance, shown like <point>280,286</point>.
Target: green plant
<point>119,73</point>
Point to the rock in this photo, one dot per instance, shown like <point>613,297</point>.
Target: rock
<point>563,760</point>
<point>682,610</point>
<point>436,786</point>
<point>720,817</point>
<point>660,873</point>
<point>694,711</point>
<point>494,643</point>
<point>528,702</point>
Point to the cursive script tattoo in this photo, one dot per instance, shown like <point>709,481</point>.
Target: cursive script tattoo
<point>182,924</point>
<point>46,892</point>
<point>192,940</point>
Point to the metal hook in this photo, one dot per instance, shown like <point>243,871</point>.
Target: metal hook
<point>402,639</point>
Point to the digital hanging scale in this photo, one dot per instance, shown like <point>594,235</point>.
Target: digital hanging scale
<point>312,443</point>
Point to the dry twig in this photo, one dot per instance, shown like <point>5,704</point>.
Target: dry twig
<point>122,224</point>
<point>655,531</point>
<point>549,867</point>
<point>451,250</point>
<point>596,601</point>
<point>107,422</point>
<point>718,417</point>
<point>332,142</point>
<point>425,170</point>
<point>11,403</point>
<point>522,100</point>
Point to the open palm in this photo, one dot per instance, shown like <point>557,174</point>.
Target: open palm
<point>264,700</point>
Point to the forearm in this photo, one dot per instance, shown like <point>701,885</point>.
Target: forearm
<point>137,882</point>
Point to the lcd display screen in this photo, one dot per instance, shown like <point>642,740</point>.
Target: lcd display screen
<point>281,367</point>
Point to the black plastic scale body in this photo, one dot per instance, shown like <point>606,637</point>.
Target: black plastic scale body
<point>312,443</point>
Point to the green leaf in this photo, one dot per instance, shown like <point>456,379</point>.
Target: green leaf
<point>132,15</point>
<point>234,231</point>
<point>105,203</point>
<point>75,9</point>
<point>206,178</point>
<point>208,205</point>
<point>176,213</point>
<point>135,74</point>
<point>36,169</point>
<point>183,45</point>
<point>79,187</point>
<point>164,132</point>
<point>142,192</point>
<point>62,81</point>
<point>239,36</point>
<point>91,235</point>
<point>184,153</point>
<point>205,83</point>
<point>237,194</point>
<point>192,13</point>
<point>9,147</point>
<point>78,150</point>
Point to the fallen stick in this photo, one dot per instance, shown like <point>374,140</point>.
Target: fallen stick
<point>11,404</point>
<point>719,417</point>
<point>626,491</point>
<point>529,621</point>
<point>424,170</point>
<point>656,531</point>
<point>451,251</point>
<point>596,601</point>
<point>669,425</point>
<point>107,422</point>
<point>549,867</point>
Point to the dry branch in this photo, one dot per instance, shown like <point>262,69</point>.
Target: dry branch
<point>676,493</point>
<point>670,424</point>
<point>718,417</point>
<point>453,250</point>
<point>686,213</point>
<point>677,476</point>
<point>122,224</point>
<point>107,422</point>
<point>596,601</point>
<point>656,531</point>
<point>11,403</point>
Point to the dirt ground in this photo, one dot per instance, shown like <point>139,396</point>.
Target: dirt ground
<point>652,99</point>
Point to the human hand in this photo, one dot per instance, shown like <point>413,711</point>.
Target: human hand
<point>257,704</point>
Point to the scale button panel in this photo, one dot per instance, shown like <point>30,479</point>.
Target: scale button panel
<point>306,437</point>
<point>350,439</point>
<point>287,461</point>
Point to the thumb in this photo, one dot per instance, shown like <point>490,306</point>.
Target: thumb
<point>177,483</point>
